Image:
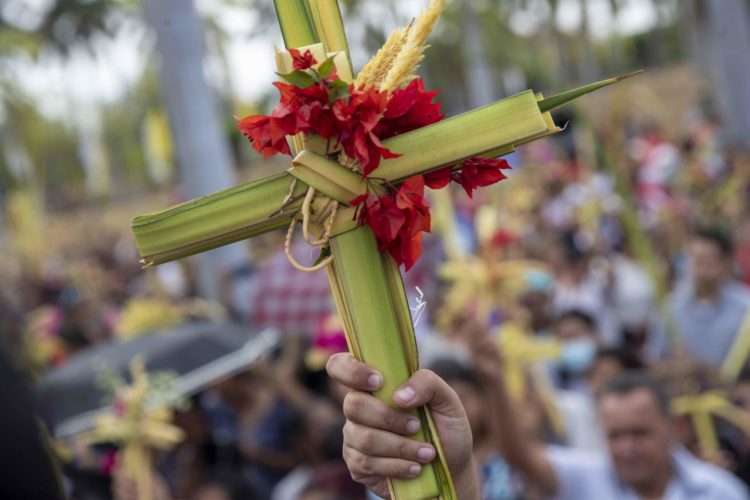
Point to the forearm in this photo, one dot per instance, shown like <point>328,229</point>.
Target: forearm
<point>512,438</point>
<point>466,482</point>
<point>519,448</point>
<point>296,396</point>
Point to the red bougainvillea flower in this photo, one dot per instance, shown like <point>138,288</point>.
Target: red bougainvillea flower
<point>480,172</point>
<point>397,219</point>
<point>438,179</point>
<point>257,128</point>
<point>313,110</point>
<point>410,198</point>
<point>382,215</point>
<point>359,118</point>
<point>319,119</point>
<point>316,102</point>
<point>408,109</point>
<point>407,248</point>
<point>399,228</point>
<point>299,110</point>
<point>356,119</point>
<point>302,61</point>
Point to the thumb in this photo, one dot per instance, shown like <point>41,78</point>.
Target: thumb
<point>426,388</point>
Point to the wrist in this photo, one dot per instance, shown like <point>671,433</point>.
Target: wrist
<point>466,482</point>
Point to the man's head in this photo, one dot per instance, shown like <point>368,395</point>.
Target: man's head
<point>576,330</point>
<point>608,364</point>
<point>575,324</point>
<point>634,411</point>
<point>711,251</point>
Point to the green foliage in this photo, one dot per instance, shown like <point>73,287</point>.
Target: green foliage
<point>16,41</point>
<point>326,67</point>
<point>298,78</point>
<point>67,22</point>
<point>50,145</point>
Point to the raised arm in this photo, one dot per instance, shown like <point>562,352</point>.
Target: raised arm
<point>376,442</point>
<point>520,448</point>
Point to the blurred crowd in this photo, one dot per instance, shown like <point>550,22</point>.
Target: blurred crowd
<point>596,258</point>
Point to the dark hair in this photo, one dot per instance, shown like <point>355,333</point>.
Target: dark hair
<point>449,369</point>
<point>579,315</point>
<point>633,380</point>
<point>625,357</point>
<point>718,236</point>
<point>232,483</point>
<point>574,249</point>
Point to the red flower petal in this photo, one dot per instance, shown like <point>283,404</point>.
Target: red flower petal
<point>438,179</point>
<point>397,219</point>
<point>407,251</point>
<point>287,92</point>
<point>260,130</point>
<point>409,109</point>
<point>480,172</point>
<point>319,119</point>
<point>356,118</point>
<point>302,61</point>
<point>386,220</point>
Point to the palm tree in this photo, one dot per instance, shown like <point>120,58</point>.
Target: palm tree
<point>480,78</point>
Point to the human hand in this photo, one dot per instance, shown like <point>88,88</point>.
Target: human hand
<point>486,360</point>
<point>285,368</point>
<point>125,487</point>
<point>376,442</point>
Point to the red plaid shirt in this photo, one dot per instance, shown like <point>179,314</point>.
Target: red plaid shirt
<point>295,301</point>
<point>288,299</point>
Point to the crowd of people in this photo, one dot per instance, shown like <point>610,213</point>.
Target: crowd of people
<point>568,333</point>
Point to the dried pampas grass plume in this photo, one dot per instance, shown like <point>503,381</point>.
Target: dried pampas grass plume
<point>408,59</point>
<point>375,71</point>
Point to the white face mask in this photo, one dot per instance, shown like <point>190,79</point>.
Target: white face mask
<point>578,355</point>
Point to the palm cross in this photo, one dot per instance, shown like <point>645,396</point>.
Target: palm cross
<point>366,283</point>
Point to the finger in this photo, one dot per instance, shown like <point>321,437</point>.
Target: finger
<point>363,466</point>
<point>346,370</point>
<point>426,388</point>
<point>362,408</point>
<point>379,443</point>
<point>124,487</point>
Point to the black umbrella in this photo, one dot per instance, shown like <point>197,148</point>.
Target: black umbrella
<point>199,353</point>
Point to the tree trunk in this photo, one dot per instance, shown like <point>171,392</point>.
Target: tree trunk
<point>589,68</point>
<point>202,151</point>
<point>563,74</point>
<point>729,25</point>
<point>481,80</point>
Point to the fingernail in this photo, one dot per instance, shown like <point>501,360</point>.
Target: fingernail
<point>412,426</point>
<point>426,453</point>
<point>405,394</point>
<point>414,469</point>
<point>375,380</point>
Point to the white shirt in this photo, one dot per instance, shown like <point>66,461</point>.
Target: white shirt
<point>591,476</point>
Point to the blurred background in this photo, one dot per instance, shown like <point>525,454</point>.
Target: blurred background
<point>605,235</point>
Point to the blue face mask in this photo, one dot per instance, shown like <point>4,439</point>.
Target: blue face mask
<point>578,355</point>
